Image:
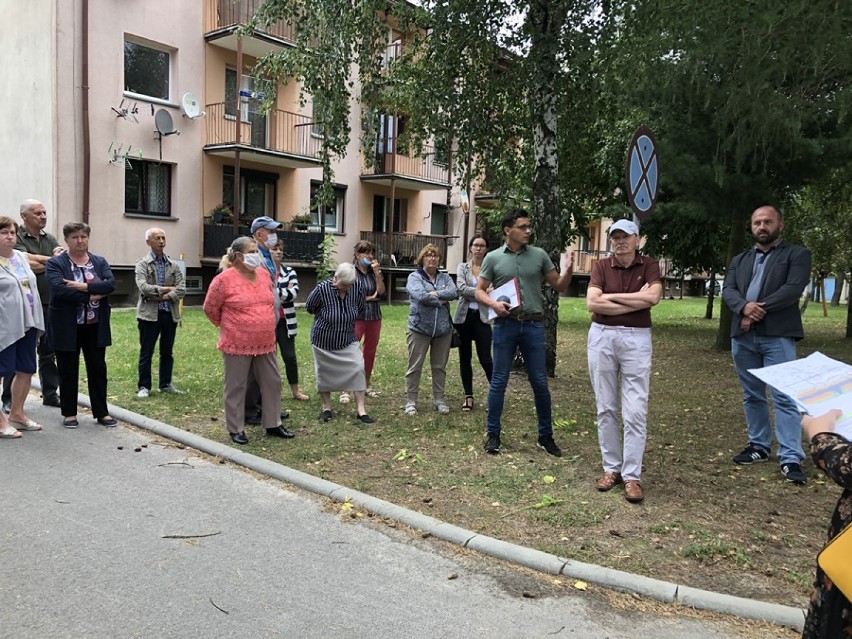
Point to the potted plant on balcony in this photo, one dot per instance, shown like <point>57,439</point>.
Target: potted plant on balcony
<point>301,222</point>
<point>221,214</point>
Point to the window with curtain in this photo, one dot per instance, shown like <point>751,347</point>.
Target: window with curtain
<point>148,188</point>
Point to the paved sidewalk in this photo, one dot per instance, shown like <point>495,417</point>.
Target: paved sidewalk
<point>103,540</point>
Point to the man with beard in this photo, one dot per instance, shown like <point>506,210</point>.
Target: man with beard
<point>762,289</point>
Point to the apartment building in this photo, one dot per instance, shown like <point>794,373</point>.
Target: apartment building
<point>135,114</point>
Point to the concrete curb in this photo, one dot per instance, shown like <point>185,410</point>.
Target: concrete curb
<point>543,562</point>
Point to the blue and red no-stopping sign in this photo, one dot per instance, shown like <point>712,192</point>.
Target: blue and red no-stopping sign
<point>642,173</point>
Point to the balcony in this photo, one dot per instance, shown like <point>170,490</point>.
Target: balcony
<point>280,138</point>
<point>222,18</point>
<point>584,261</point>
<point>405,247</point>
<point>418,172</point>
<point>299,246</point>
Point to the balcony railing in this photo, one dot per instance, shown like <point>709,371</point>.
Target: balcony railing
<point>225,14</point>
<point>404,246</point>
<point>584,262</point>
<point>299,246</point>
<point>424,166</point>
<point>280,131</point>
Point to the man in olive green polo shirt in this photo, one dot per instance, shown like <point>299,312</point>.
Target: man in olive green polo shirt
<point>520,327</point>
<point>40,246</point>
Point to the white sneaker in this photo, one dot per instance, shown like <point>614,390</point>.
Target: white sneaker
<point>143,393</point>
<point>442,407</point>
<point>410,409</point>
<point>372,394</point>
<point>171,390</point>
<point>344,398</point>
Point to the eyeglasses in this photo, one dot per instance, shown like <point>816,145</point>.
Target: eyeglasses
<point>523,227</point>
<point>479,246</point>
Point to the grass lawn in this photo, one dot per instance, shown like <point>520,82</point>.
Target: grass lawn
<point>705,522</point>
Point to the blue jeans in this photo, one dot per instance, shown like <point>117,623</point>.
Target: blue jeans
<point>508,335</point>
<point>756,351</point>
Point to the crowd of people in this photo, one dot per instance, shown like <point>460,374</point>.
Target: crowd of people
<point>54,305</point>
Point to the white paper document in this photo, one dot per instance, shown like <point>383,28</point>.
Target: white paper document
<point>508,292</point>
<point>817,384</point>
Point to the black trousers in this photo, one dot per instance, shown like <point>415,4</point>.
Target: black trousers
<point>96,370</point>
<point>165,329</point>
<point>474,331</point>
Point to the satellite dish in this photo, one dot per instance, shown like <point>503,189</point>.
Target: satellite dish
<point>164,124</point>
<point>189,104</point>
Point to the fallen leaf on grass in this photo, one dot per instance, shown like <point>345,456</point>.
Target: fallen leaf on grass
<point>548,479</point>
<point>581,585</point>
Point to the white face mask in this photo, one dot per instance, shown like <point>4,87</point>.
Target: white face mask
<point>252,260</point>
<point>271,240</point>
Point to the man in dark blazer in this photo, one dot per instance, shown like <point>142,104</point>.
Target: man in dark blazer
<point>762,288</point>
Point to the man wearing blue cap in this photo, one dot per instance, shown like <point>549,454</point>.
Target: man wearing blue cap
<point>263,232</point>
<point>622,290</point>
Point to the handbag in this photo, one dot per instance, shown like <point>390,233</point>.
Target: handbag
<point>455,340</point>
<point>835,563</point>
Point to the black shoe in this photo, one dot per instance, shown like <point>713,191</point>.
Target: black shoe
<point>793,473</point>
<point>751,455</point>
<point>253,421</point>
<point>107,421</point>
<point>52,401</point>
<point>366,419</point>
<point>546,442</point>
<point>492,443</point>
<point>7,407</point>
<point>239,438</point>
<point>326,416</point>
<point>279,431</point>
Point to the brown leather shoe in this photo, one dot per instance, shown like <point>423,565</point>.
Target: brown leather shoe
<point>633,491</point>
<point>608,481</point>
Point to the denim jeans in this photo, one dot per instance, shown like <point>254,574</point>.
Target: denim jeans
<point>508,335</point>
<point>751,350</point>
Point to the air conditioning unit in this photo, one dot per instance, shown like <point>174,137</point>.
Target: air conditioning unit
<point>194,284</point>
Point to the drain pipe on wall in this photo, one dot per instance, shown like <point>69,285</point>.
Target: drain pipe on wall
<point>87,150</point>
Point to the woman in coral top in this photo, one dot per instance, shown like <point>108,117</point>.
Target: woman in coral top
<point>242,303</point>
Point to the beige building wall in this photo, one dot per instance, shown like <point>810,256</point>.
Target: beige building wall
<point>28,111</point>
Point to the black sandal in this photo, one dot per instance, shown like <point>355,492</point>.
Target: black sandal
<point>326,415</point>
<point>468,404</point>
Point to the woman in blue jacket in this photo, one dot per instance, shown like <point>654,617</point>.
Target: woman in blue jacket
<point>78,319</point>
<point>429,327</point>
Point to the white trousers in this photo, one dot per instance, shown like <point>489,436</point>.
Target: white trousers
<point>621,354</point>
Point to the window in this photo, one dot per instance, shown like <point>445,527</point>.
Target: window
<point>257,192</point>
<point>332,213</point>
<point>147,71</point>
<point>148,188</point>
<point>381,214</point>
<point>248,105</point>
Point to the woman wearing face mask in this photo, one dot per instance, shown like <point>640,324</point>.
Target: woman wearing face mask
<point>368,326</point>
<point>242,303</point>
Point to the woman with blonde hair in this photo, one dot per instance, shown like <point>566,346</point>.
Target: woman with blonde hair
<point>429,327</point>
<point>21,323</point>
<point>242,303</point>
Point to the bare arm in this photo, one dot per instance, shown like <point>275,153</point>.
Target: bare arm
<point>597,302</point>
<point>560,282</point>
<point>482,297</point>
<point>648,296</point>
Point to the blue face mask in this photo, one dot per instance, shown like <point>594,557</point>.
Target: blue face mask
<point>366,261</point>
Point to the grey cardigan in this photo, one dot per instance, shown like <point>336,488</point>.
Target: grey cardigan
<point>428,314</point>
<point>467,294</point>
<point>146,282</point>
<point>16,316</point>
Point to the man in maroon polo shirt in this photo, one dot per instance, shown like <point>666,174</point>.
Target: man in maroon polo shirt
<point>622,290</point>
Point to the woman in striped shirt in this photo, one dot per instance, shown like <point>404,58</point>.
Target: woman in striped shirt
<point>338,362</point>
<point>285,332</point>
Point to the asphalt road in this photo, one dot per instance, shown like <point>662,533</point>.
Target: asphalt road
<point>102,540</point>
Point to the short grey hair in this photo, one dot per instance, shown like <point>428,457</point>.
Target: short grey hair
<point>26,205</point>
<point>151,231</point>
<point>345,274</point>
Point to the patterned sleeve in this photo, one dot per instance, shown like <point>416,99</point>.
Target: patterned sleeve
<point>833,455</point>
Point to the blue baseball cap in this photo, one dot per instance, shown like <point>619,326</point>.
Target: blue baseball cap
<point>265,222</point>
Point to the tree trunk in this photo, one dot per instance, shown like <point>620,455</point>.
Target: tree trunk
<point>838,290</point>
<point>711,295</point>
<point>546,18</point>
<point>736,243</point>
